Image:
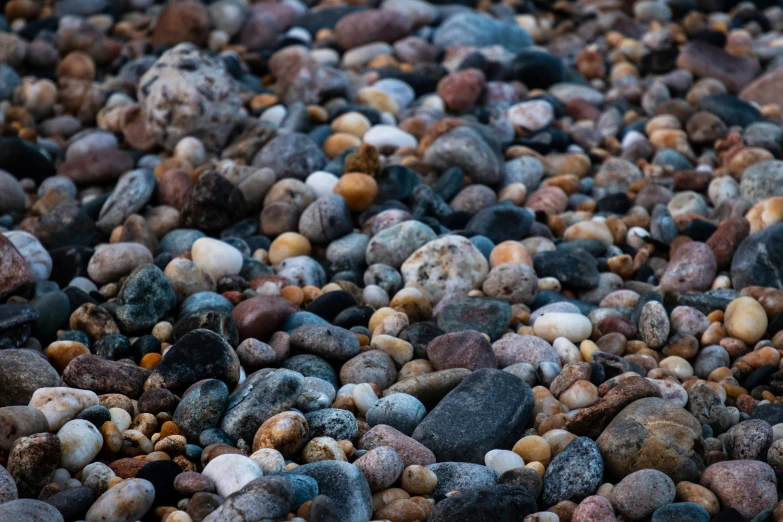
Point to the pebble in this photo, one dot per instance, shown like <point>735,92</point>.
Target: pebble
<point>127,501</point>
<point>230,473</point>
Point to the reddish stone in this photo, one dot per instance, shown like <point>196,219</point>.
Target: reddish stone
<point>461,90</point>
<point>260,317</point>
<point>180,22</point>
<point>725,241</point>
<point>15,273</point>
<point>468,349</point>
<point>410,450</point>
<point>550,200</point>
<point>695,180</point>
<point>375,25</point>
<point>692,267</point>
<point>706,60</point>
<point>103,166</point>
<point>174,187</point>
<point>127,468</point>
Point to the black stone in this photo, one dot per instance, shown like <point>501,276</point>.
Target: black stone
<point>570,270</point>
<point>332,422</point>
<point>489,409</point>
<point>16,323</point>
<point>214,436</point>
<point>97,415</point>
<point>757,261</point>
<point>450,183</point>
<point>201,408</point>
<point>616,203</point>
<point>759,376</point>
<point>22,160</point>
<point>157,400</point>
<point>75,335</point>
<point>161,473</point>
<point>72,503</point>
<point>699,230</point>
<point>395,182</point>
<point>144,345</point>
<point>330,304</point>
<point>113,346</point>
<point>353,316</point>
<point>66,225</point>
<point>770,412</point>
<point>217,321</point>
<point>312,366</point>
<point>144,299</point>
<point>730,109</point>
<point>507,502</point>
<point>537,69</point>
<point>500,223</point>
<point>54,311</point>
<point>345,485</point>
<point>420,335</point>
<point>213,204</point>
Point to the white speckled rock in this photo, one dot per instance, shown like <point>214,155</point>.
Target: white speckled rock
<point>128,501</point>
<point>80,442</point>
<point>120,418</point>
<point>33,252</point>
<point>531,115</point>
<point>216,257</point>
<point>186,93</point>
<point>503,460</point>
<point>389,137</point>
<point>447,265</point>
<point>231,472</point>
<point>322,183</point>
<point>574,327</point>
<point>60,405</point>
<point>113,261</point>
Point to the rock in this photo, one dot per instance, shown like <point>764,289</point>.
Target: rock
<point>575,473</point>
<point>467,349</point>
<point>748,486</point>
<point>99,166</point>
<point>188,94</point>
<point>333,423</point>
<point>691,267</point>
<point>331,342</point>
<point>569,269</point>
<point>32,462</point>
<point>73,503</point>
<point>131,193</point>
<point>477,30</point>
<point>61,405</point>
<point>531,115</point>
<point>752,262</point>
<point>514,349</point>
<point>19,421</point>
<point>483,314</point>
<point>21,373</point>
<point>30,511</point>
<point>38,259</point>
<point>125,502</point>
<point>201,407</point>
<point>761,181</point>
<point>259,317</point>
<point>746,320</point>
<point>591,421</point>
<point>460,476</point>
<point>265,498</point>
<point>181,22</point>
<point>90,372</point>
<point>465,148</point>
<point>381,467</point>
<point>640,494</point>
<point>20,158</point>
<point>500,223</point>
<point>706,406</point>
<point>345,485</point>
<point>430,388</point>
<point>199,354</point>
<point>113,261</point>
<point>703,59</point>
<point>374,366</point>
<point>501,502</point>
<point>474,419</point>
<point>574,327</point>
<point>513,282</point>
<point>80,442</point>
<point>460,90</point>
<point>593,509</point>
<point>292,155</point>
<point>16,322</point>
<point>681,512</point>
<point>259,398</point>
<point>401,411</point>
<point>212,204</point>
<point>447,265</point>
<point>410,451</point>
<point>654,325</point>
<point>231,473</point>
<point>143,300</point>
<point>652,433</point>
<point>763,90</point>
<point>374,25</point>
<point>15,273</point>
<point>325,220</point>
<point>750,439</point>
<point>392,246</point>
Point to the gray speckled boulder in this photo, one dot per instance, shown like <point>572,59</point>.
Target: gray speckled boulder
<point>345,485</point>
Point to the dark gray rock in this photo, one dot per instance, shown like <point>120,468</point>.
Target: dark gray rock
<point>750,439</point>
<point>262,499</point>
<point>489,409</point>
<point>507,502</point>
<point>291,155</point>
<point>332,422</point>
<point>90,372</point>
<point>570,270</point>
<point>705,404</point>
<point>259,397</point>
<point>757,259</point>
<point>326,219</point>
<point>201,407</point>
<point>29,510</point>
<point>16,324</point>
<point>330,342</point>
<point>21,373</point>
<point>501,222</point>
<point>130,194</point>
<point>487,315</point>
<point>460,476</point>
<point>143,300</point>
<point>575,473</point>
<point>345,485</point>
<point>73,503</point>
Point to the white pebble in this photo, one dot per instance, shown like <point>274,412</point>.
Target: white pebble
<point>574,327</point>
<point>503,460</point>
<point>216,257</point>
<point>126,502</point>
<point>567,351</point>
<point>191,150</point>
<point>274,115</point>
<point>322,183</point>
<point>389,137</point>
<point>270,460</point>
<point>60,405</point>
<point>231,472</point>
<point>34,253</point>
<point>120,418</point>
<point>581,394</point>
<point>83,284</point>
<point>364,398</point>
<point>80,442</point>
<point>375,296</point>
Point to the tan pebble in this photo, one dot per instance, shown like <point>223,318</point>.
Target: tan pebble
<point>403,510</point>
<point>400,351</point>
<point>60,353</point>
<point>353,123</point>
<point>286,432</point>
<point>412,303</point>
<point>533,449</point>
<point>387,496</point>
<point>690,492</point>
<point>358,190</point>
<point>289,244</point>
<point>418,480</point>
<point>509,252</point>
<point>339,142</point>
<point>538,467</point>
<point>746,320</point>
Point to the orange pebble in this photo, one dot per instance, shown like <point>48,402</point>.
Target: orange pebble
<point>358,190</point>
<point>293,294</point>
<point>150,361</point>
<point>510,252</point>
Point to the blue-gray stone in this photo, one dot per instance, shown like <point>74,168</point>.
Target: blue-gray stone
<point>401,411</point>
<point>681,512</point>
<point>179,241</point>
<point>460,476</point>
<point>205,301</point>
<point>477,30</point>
<point>575,473</point>
<point>345,485</point>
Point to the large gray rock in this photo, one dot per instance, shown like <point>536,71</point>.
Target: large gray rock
<point>757,261</point>
<point>345,485</point>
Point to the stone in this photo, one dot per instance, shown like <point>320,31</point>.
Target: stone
<point>750,439</point>
<point>19,421</point>
<point>345,484</point>
<point>16,322</point>
<point>113,261</point>
<point>760,181</point>
<point>465,148</point>
<point>706,406</point>
<point>395,244</point>
<point>447,265</point>
<point>80,442</point>
<point>199,354</point>
<point>73,503</point>
<point>691,267</point>
<point>752,263</point>
<point>292,155</point>
<point>326,219</point>
<point>471,29</point>
<point>143,300</point>
<point>331,342</point>
<point>374,25</point>
<point>763,90</point>
<point>181,22</point>
<point>132,192</point>
<point>259,317</point>
<point>575,473</point>
<point>201,407</point>
<point>22,372</point>
<point>748,486</point>
<point>230,473</point>
<point>483,314</point>
<point>474,419</point>
<point>681,512</point>
<point>401,411</point>
<point>380,466</point>
<point>15,273</point>
<point>212,204</point>
<point>30,511</point>
<point>412,452</point>
<point>641,493</point>
<point>61,405</point>
<point>32,462</point>
<point>499,502</point>
<point>127,501</point>
<point>467,349</point>
<point>654,325</point>
<point>90,372</point>
<point>574,327</point>
<point>38,259</point>
<point>703,59</point>
<point>265,498</point>
<point>569,269</point>
<point>652,433</point>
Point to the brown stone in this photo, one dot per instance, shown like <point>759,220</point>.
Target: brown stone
<point>15,273</point>
<point>591,421</point>
<point>692,267</point>
<point>102,166</point>
<point>180,22</point>
<point>695,180</point>
<point>460,90</point>
<point>704,59</point>
<point>765,89</point>
<point>430,388</point>
<point>468,349</point>
<point>410,451</point>
<point>748,486</point>
<point>127,468</point>
<point>260,317</point>
<point>727,238</point>
<point>90,372</point>
<point>374,25</point>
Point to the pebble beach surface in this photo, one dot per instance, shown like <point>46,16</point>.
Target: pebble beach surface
<point>391,260</point>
